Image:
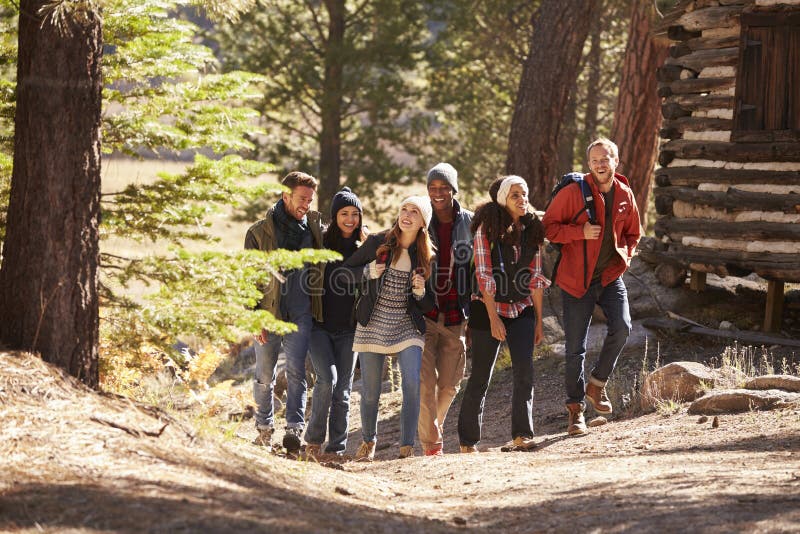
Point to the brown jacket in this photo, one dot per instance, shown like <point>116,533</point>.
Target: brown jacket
<point>261,236</point>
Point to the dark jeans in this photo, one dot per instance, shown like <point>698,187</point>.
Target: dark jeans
<point>334,361</point>
<point>613,300</point>
<point>519,337</point>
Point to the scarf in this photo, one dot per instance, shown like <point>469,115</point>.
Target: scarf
<point>289,231</point>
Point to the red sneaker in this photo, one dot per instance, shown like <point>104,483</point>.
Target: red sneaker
<point>435,451</point>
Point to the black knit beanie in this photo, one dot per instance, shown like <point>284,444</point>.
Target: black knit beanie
<point>342,199</point>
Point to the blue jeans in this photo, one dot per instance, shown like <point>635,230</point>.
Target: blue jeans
<point>520,339</point>
<point>334,362</point>
<point>613,300</point>
<point>295,348</point>
<point>410,360</point>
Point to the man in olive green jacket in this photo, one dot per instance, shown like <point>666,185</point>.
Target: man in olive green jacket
<point>290,225</point>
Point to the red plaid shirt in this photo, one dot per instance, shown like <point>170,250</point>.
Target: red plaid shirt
<point>483,272</point>
<point>446,294</point>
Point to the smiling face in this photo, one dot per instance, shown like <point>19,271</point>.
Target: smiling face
<point>298,202</point>
<point>441,195</point>
<point>603,163</point>
<point>410,219</point>
<point>517,201</point>
<point>348,219</point>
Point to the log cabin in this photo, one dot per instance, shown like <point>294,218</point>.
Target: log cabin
<point>727,192</point>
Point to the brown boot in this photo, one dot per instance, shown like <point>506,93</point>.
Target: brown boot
<point>596,395</point>
<point>577,424</point>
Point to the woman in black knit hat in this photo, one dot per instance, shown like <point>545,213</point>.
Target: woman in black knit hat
<point>332,340</point>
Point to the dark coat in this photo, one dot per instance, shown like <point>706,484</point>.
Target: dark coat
<point>460,256</point>
<point>370,288</point>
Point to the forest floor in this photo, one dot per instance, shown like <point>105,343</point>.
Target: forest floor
<point>75,460</point>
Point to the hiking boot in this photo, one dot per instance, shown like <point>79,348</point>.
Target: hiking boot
<point>577,423</point>
<point>264,438</point>
<point>292,440</point>
<point>313,451</point>
<point>366,452</point>
<point>596,395</point>
<point>468,449</point>
<point>406,451</point>
<point>436,450</point>
<point>523,443</point>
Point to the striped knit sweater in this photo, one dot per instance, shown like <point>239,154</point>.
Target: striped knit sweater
<point>390,328</point>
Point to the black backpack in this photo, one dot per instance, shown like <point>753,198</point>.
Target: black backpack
<point>588,207</point>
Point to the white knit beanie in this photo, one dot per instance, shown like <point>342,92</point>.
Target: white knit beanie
<point>505,187</point>
<point>424,206</point>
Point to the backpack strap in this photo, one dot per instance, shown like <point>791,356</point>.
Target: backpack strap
<point>588,201</point>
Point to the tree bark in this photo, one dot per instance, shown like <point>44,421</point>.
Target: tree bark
<point>593,63</point>
<point>638,111</point>
<point>330,143</point>
<point>566,136</point>
<point>48,277</point>
<point>550,70</point>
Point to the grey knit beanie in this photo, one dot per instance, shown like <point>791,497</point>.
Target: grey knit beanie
<point>446,172</point>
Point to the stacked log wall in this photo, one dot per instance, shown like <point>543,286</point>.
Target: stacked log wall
<point>724,207</point>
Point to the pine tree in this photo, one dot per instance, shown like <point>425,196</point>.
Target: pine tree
<point>340,96</point>
<point>161,94</point>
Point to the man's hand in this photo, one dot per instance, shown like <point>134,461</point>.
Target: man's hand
<point>262,336</point>
<point>591,231</point>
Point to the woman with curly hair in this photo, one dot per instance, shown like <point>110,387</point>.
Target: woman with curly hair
<point>390,317</point>
<point>507,307</point>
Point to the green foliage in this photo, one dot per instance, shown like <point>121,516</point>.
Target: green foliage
<point>161,92</point>
<point>201,294</point>
<point>377,104</point>
<point>177,206</point>
<point>8,57</point>
<point>474,69</point>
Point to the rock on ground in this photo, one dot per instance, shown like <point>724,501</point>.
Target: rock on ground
<point>742,400</point>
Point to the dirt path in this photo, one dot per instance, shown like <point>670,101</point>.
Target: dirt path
<point>73,460</point>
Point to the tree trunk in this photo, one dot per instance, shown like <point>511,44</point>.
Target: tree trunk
<point>638,111</point>
<point>550,70</point>
<point>566,136</point>
<point>48,277</point>
<point>593,63</point>
<point>330,153</point>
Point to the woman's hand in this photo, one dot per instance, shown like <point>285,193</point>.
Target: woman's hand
<point>364,233</point>
<point>418,284</point>
<point>498,328</point>
<point>538,333</point>
<point>376,269</point>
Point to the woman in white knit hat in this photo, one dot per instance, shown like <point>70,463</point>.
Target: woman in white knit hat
<point>507,307</point>
<point>390,320</point>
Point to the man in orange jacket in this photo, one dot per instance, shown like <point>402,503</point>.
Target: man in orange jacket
<point>594,255</point>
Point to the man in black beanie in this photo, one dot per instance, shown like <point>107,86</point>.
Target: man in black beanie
<point>444,356</point>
